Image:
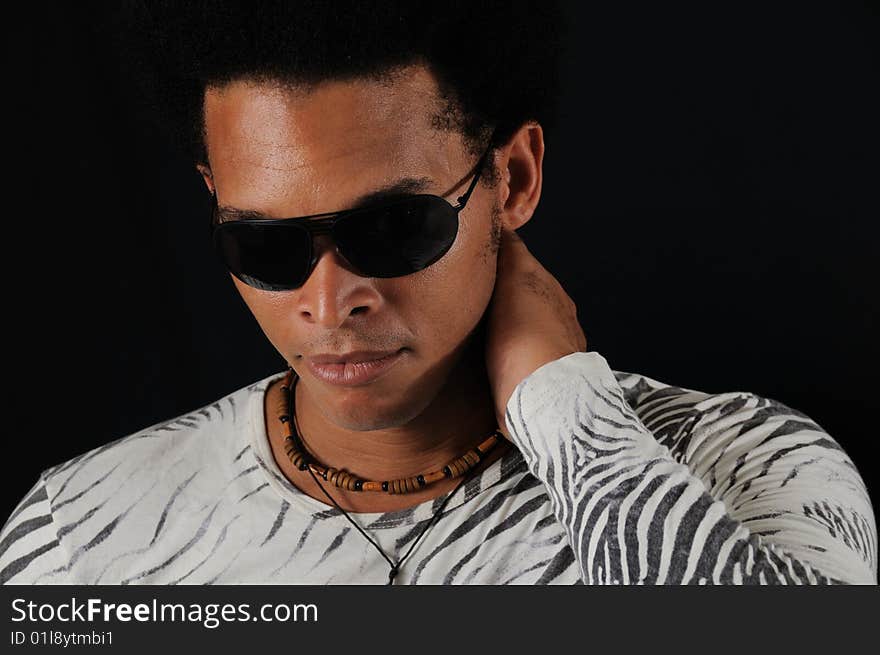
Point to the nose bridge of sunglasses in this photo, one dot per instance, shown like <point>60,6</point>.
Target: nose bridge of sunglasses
<point>320,227</point>
<point>320,231</point>
<point>324,243</point>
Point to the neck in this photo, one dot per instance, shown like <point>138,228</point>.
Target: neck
<point>459,417</point>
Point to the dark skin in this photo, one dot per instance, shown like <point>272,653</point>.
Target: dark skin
<point>286,153</point>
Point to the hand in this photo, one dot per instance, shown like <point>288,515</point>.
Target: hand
<point>531,321</point>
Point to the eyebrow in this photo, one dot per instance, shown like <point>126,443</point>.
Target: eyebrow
<point>403,186</point>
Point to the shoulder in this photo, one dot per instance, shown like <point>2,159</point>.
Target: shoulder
<point>78,503</point>
<point>150,452</point>
<point>29,535</point>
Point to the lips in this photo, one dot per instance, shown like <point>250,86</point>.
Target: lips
<point>353,357</point>
<point>360,367</point>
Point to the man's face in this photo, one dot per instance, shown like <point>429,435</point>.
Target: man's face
<point>294,153</point>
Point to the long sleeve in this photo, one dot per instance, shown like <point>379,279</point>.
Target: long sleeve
<point>656,484</point>
<point>29,544</point>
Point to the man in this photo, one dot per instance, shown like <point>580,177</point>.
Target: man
<point>416,323</point>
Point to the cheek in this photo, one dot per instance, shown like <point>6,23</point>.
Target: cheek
<point>269,310</point>
<point>448,299</point>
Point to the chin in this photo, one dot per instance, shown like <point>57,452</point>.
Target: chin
<point>366,417</point>
<point>364,409</point>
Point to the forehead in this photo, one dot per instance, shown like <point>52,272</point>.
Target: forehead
<point>304,149</point>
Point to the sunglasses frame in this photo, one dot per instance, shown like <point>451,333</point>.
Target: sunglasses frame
<point>321,224</point>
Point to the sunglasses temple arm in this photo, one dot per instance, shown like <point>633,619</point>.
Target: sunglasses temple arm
<point>462,199</point>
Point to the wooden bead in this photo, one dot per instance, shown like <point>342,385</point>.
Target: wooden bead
<point>433,477</point>
<point>457,468</point>
<point>345,480</point>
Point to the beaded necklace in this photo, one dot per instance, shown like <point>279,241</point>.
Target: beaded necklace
<point>303,461</point>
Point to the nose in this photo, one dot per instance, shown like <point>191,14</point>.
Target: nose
<point>334,290</point>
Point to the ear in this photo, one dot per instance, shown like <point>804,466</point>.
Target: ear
<point>520,163</point>
<point>207,176</point>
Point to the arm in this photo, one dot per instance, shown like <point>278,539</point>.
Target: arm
<point>29,544</point>
<point>748,491</point>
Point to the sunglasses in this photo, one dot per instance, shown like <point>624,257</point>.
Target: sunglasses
<point>391,239</point>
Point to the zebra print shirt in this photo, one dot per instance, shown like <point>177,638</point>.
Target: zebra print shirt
<point>617,479</point>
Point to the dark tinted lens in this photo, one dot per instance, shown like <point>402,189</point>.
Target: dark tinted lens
<point>268,257</point>
<point>399,238</point>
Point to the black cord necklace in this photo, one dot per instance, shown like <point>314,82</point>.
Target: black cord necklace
<point>395,567</point>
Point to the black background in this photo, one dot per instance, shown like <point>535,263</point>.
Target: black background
<point>710,201</point>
